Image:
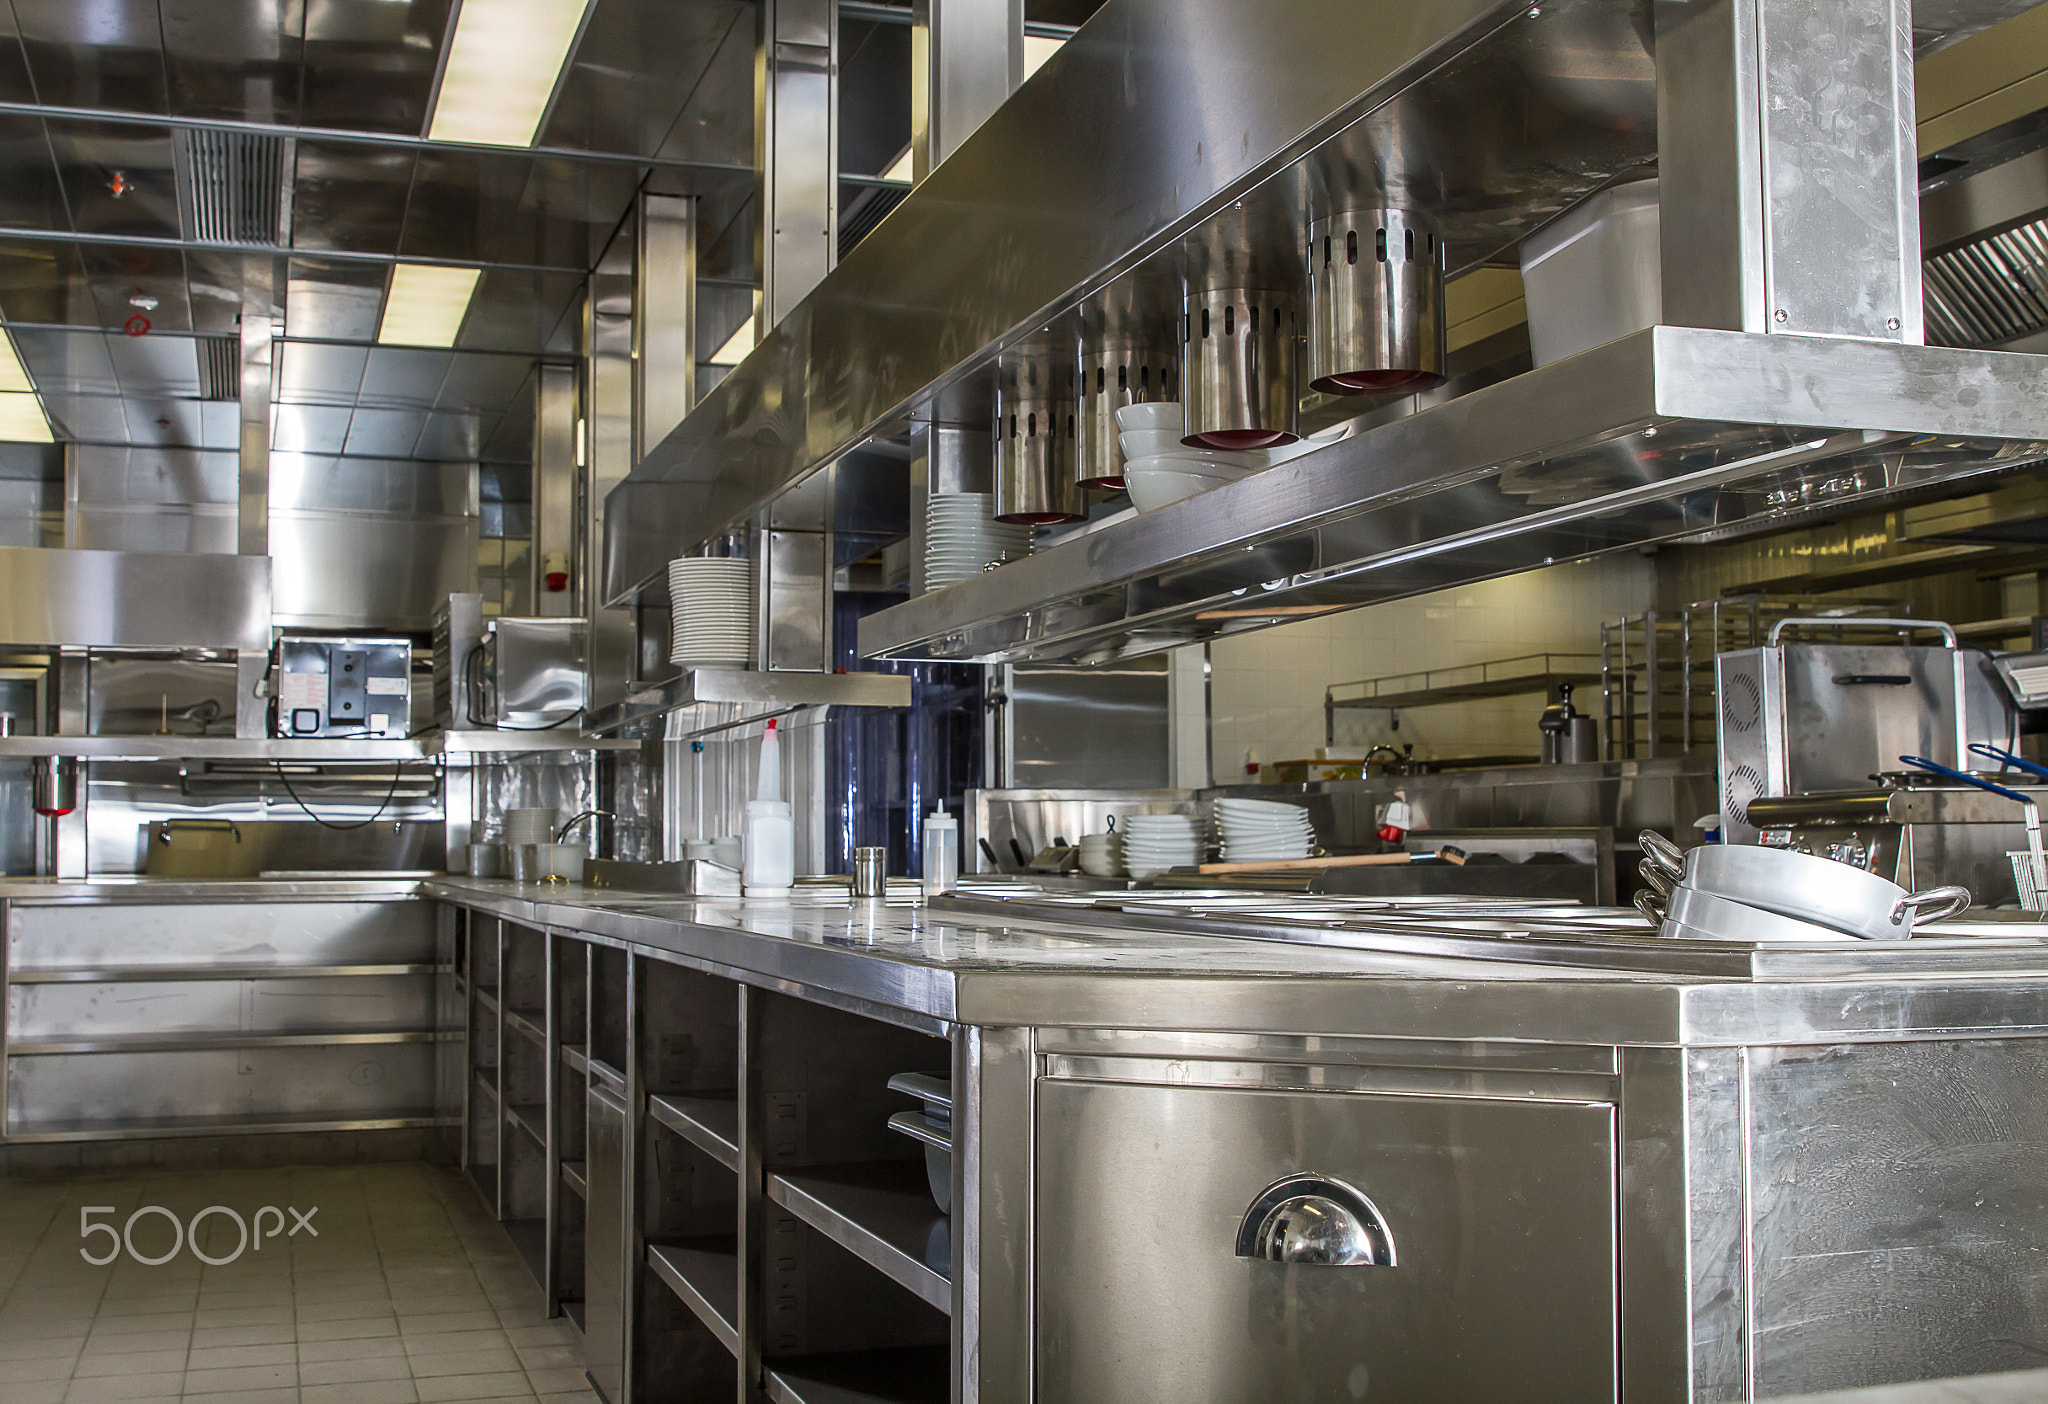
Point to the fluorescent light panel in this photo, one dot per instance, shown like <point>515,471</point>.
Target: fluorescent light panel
<point>22,420</point>
<point>1037,50</point>
<point>426,304</point>
<point>502,67</point>
<point>740,342</point>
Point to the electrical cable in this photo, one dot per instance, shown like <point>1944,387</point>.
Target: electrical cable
<point>397,775</point>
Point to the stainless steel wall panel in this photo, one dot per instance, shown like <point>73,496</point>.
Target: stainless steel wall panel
<point>967,57</point>
<point>205,934</point>
<point>114,599</point>
<point>664,318</point>
<point>384,433</point>
<point>796,142</point>
<point>554,482</point>
<point>88,1010</point>
<point>92,1090</point>
<point>401,487</point>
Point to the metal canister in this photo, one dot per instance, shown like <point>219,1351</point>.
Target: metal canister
<point>870,872</point>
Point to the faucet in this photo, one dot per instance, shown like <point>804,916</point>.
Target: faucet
<point>563,836</point>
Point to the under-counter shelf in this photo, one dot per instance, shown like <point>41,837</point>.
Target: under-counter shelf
<point>533,1120</point>
<point>577,1060</point>
<point>705,1273</point>
<point>149,1128</point>
<point>487,996</point>
<point>576,1178</point>
<point>129,974</point>
<point>530,1022</point>
<point>606,1074</point>
<point>207,1041</point>
<point>712,1124</point>
<point>573,1309</point>
<point>487,1079</point>
<point>899,1375</point>
<point>883,1214</point>
<point>530,1237</point>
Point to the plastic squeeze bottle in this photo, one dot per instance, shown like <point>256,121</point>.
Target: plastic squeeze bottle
<point>768,833</point>
<point>941,853</point>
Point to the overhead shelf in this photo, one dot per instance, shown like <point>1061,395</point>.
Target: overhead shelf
<point>306,750</point>
<point>742,696</point>
<point>1468,682</point>
<point>882,1213</point>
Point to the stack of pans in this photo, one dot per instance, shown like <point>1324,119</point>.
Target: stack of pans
<point>1748,894</point>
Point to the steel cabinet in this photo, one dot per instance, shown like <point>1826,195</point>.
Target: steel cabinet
<point>1498,1216</point>
<point>604,1286</point>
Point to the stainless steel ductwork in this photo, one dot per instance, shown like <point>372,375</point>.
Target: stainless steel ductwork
<point>1115,376</point>
<point>1376,303</point>
<point>1238,369</point>
<point>1035,439</point>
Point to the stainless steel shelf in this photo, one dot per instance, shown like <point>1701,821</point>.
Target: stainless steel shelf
<point>607,1074</point>
<point>134,1129</point>
<point>576,1178</point>
<point>1468,682</point>
<point>712,1124</point>
<point>883,1214</point>
<point>203,1042</point>
<point>900,1375</point>
<point>705,1273</point>
<point>487,1079</point>
<point>531,1119</point>
<point>125,974</point>
<point>530,1238</point>
<point>576,1059</point>
<point>487,996</point>
<point>528,1023</point>
<point>756,695</point>
<point>497,743</point>
<point>456,744</point>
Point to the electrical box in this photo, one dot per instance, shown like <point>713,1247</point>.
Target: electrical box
<point>341,688</point>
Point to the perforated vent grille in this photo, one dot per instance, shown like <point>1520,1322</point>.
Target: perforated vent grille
<point>1991,290</point>
<point>1742,786</point>
<point>220,368</point>
<point>1741,703</point>
<point>232,187</point>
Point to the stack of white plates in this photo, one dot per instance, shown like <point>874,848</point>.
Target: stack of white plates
<point>1102,855</point>
<point>711,602</point>
<point>1155,842</point>
<point>1260,831</point>
<point>963,538</point>
<point>529,826</point>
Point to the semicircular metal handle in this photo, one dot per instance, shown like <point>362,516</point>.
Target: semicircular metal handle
<point>1315,1221</point>
<point>1652,905</point>
<point>1663,852</point>
<point>1659,878</point>
<point>1948,901</point>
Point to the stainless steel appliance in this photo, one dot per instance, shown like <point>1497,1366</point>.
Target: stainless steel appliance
<point>1800,718</point>
<point>530,673</point>
<point>355,687</point>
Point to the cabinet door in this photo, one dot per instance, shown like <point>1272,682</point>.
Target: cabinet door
<point>1500,1217</point>
<point>604,1245</point>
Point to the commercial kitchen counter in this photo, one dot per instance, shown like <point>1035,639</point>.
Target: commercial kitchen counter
<point>1575,1162</point>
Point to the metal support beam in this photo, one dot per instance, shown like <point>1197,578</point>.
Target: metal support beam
<point>554,484</point>
<point>1787,165</point>
<point>966,58</point>
<point>796,150</point>
<point>664,318</point>
<point>262,311</point>
<point>608,455</point>
<point>945,458</point>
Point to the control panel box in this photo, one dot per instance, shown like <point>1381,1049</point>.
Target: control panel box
<point>341,688</point>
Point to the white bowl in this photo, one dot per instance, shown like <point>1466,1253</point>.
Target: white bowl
<point>1147,443</point>
<point>1153,488</point>
<point>1159,415</point>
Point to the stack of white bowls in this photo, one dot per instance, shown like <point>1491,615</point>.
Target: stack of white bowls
<point>1154,843</point>
<point>711,602</point>
<point>1261,831</point>
<point>529,826</point>
<point>963,538</point>
<point>1159,468</point>
<point>1102,855</point>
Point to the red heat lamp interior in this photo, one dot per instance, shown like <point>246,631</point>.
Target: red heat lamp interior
<point>1234,440</point>
<point>1378,382</point>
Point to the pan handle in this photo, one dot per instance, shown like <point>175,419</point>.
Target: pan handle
<point>1947,900</point>
<point>1656,878</point>
<point>1948,772</point>
<point>1947,631</point>
<point>2026,767</point>
<point>1662,852</point>
<point>1652,905</point>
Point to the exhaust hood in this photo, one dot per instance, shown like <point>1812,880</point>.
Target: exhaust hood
<point>1175,156</point>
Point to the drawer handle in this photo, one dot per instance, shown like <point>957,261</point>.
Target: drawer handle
<point>1315,1220</point>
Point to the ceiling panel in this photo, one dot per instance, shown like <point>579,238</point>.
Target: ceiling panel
<point>351,198</point>
<point>512,441</point>
<point>220,425</point>
<point>309,428</point>
<point>716,122</point>
<point>635,68</point>
<point>155,365</point>
<point>331,300</point>
<point>320,374</point>
<point>456,436</point>
<point>522,311</point>
<point>91,419</point>
<point>213,286</point>
<point>169,422</point>
<point>67,362</point>
<point>31,197</point>
<point>43,282</point>
<point>124,281</point>
<point>513,209</point>
<point>404,377</point>
<point>94,158</point>
<point>369,64</point>
<point>384,433</point>
<point>480,382</point>
<point>94,53</point>
<point>232,58</point>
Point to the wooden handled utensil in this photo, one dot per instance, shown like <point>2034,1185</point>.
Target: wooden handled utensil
<point>1446,854</point>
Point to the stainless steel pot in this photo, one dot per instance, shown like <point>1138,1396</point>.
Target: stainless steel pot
<point>1701,916</point>
<point>1805,887</point>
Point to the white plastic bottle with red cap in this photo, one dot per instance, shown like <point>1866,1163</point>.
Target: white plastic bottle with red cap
<point>768,833</point>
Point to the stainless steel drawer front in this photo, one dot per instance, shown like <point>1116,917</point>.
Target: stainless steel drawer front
<point>1503,1213</point>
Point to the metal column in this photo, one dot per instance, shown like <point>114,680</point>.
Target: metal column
<point>554,483</point>
<point>1787,164</point>
<point>966,58</point>
<point>608,456</point>
<point>796,150</point>
<point>259,314</point>
<point>947,458</point>
<point>664,318</point>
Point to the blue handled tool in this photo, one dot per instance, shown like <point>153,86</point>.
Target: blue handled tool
<point>2040,772</point>
<point>2037,862</point>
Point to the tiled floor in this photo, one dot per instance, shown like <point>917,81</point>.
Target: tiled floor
<point>409,1293</point>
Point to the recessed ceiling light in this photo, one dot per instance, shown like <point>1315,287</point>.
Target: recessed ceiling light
<point>1037,49</point>
<point>426,304</point>
<point>502,66</point>
<point>740,342</point>
<point>22,420</point>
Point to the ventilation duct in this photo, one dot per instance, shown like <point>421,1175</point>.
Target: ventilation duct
<point>1990,291</point>
<point>232,187</point>
<point>220,367</point>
